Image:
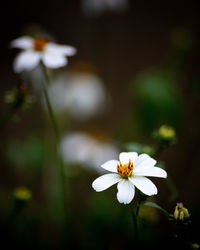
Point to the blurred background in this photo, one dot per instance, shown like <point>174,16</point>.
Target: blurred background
<point>137,68</point>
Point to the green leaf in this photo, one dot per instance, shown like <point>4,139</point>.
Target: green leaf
<point>152,204</point>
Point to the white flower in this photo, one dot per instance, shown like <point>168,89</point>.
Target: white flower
<point>129,173</point>
<point>86,95</point>
<point>36,49</point>
<point>81,94</point>
<point>96,7</point>
<point>82,148</point>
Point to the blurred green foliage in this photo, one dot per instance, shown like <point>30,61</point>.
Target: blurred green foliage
<point>158,99</point>
<point>29,154</point>
<point>139,148</point>
<point>108,224</point>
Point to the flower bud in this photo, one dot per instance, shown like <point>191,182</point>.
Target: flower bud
<point>195,246</point>
<point>181,213</point>
<point>22,194</point>
<point>166,133</point>
<point>18,97</point>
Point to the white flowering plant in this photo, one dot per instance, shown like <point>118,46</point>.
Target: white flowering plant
<point>130,172</point>
<point>39,49</point>
<point>81,158</point>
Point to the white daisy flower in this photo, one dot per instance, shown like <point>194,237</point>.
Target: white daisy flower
<point>96,7</point>
<point>129,172</point>
<point>81,94</point>
<point>36,49</point>
<point>82,148</point>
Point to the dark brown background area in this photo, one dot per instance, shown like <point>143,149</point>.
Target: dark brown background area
<point>120,45</point>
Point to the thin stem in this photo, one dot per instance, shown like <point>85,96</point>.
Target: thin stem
<point>170,182</point>
<point>159,150</point>
<point>173,189</point>
<point>138,208</point>
<point>46,81</point>
<point>134,216</point>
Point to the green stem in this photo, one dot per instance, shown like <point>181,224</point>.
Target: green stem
<point>134,217</point>
<point>159,150</point>
<point>46,81</point>
<point>169,181</point>
<point>137,208</point>
<point>172,188</point>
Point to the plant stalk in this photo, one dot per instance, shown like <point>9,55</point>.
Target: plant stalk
<point>135,222</point>
<point>46,82</point>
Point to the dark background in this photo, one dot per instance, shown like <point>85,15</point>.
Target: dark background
<point>120,46</point>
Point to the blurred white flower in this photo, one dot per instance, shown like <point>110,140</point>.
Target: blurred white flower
<point>36,49</point>
<point>95,7</point>
<point>129,173</point>
<point>81,148</point>
<point>58,92</point>
<point>82,94</point>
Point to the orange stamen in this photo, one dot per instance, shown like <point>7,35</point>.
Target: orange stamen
<point>126,169</point>
<point>40,43</point>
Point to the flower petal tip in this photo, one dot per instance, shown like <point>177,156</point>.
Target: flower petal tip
<point>125,203</point>
<point>164,174</point>
<point>94,186</point>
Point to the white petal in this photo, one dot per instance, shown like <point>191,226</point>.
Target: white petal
<point>111,165</point>
<point>64,50</point>
<point>24,42</point>
<point>144,161</point>
<point>105,181</point>
<point>53,60</point>
<point>26,60</point>
<point>125,157</point>
<point>152,171</point>
<point>144,185</point>
<point>141,158</point>
<point>126,191</point>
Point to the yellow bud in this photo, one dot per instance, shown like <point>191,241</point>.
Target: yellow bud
<point>176,213</point>
<point>185,211</point>
<point>180,212</point>
<point>195,246</point>
<point>181,215</point>
<point>166,132</point>
<point>22,193</point>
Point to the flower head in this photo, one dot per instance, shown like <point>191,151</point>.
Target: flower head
<point>22,194</point>
<point>82,94</point>
<point>97,7</point>
<point>181,213</point>
<point>195,246</point>
<point>90,151</point>
<point>36,49</point>
<point>129,172</point>
<point>166,132</point>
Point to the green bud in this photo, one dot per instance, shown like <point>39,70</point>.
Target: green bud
<point>166,132</point>
<point>195,246</point>
<point>181,213</point>
<point>22,194</point>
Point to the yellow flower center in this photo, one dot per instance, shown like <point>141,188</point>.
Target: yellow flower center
<point>126,169</point>
<point>39,43</point>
